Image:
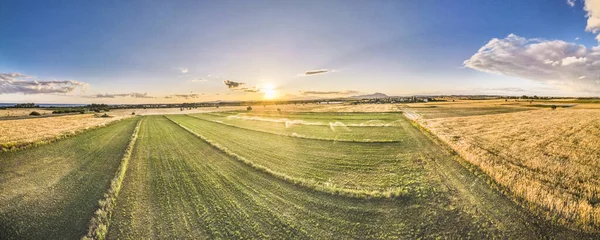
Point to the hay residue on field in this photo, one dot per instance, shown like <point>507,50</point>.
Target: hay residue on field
<point>548,158</point>
<point>24,131</point>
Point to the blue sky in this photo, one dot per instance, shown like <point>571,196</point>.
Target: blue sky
<point>117,48</point>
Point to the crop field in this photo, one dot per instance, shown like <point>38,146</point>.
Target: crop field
<point>432,111</point>
<point>19,112</point>
<point>15,133</point>
<point>242,174</point>
<point>51,191</point>
<point>332,126</point>
<point>181,186</point>
<point>548,159</point>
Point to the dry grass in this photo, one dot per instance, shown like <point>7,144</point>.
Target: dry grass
<point>18,112</point>
<point>549,159</point>
<point>25,131</point>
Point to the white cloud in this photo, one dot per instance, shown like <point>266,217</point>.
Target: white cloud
<point>573,60</point>
<point>549,61</point>
<point>198,80</point>
<point>20,83</point>
<point>571,3</point>
<point>184,70</point>
<point>577,38</point>
<point>592,7</point>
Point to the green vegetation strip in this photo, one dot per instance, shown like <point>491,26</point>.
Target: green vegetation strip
<point>52,191</point>
<point>374,170</point>
<point>180,187</point>
<point>99,224</point>
<point>308,131</point>
<point>316,118</point>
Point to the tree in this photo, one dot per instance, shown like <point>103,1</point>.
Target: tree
<point>553,107</point>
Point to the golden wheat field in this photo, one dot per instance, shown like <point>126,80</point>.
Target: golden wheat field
<point>23,131</point>
<point>548,158</point>
<point>17,112</point>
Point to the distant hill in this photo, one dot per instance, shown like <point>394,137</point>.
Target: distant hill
<point>374,95</point>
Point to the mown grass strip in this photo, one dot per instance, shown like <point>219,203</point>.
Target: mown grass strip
<point>101,221</point>
<point>354,193</point>
<point>12,147</point>
<point>303,137</point>
<point>180,187</point>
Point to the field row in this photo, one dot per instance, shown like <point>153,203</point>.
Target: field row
<point>333,131</point>
<point>179,185</point>
<point>373,169</point>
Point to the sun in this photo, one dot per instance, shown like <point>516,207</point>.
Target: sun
<point>269,90</point>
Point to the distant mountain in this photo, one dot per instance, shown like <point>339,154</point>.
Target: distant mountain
<point>374,95</point>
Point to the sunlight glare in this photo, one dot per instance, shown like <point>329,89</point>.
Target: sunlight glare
<point>269,90</point>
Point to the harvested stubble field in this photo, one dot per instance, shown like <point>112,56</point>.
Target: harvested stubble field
<point>16,133</point>
<point>546,159</point>
<point>51,191</point>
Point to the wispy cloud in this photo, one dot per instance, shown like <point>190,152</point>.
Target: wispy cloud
<point>20,83</point>
<point>232,84</point>
<point>571,3</point>
<point>186,96</point>
<point>345,92</point>
<point>316,72</point>
<point>116,95</point>
<point>184,70</point>
<point>199,80</point>
<point>252,90</point>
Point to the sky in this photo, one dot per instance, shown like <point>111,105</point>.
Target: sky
<point>192,51</point>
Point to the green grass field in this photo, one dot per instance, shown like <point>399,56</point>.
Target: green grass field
<point>179,186</point>
<point>51,191</point>
<point>189,177</point>
<point>339,129</point>
<point>363,167</point>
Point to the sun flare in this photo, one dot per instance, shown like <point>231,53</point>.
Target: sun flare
<point>269,91</point>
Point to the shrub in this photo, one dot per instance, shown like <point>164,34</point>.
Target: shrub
<point>133,113</point>
<point>249,108</point>
<point>34,113</point>
<point>105,115</point>
<point>553,107</point>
